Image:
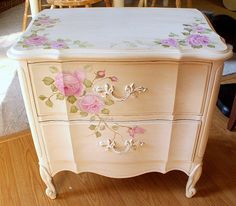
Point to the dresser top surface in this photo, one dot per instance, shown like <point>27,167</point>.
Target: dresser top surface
<point>119,32</point>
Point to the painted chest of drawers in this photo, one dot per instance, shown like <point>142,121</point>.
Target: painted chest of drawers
<point>120,92</point>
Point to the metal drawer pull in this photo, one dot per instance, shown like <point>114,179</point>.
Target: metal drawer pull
<point>110,145</point>
<point>108,90</point>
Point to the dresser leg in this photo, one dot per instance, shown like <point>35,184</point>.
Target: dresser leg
<point>192,180</point>
<point>46,177</point>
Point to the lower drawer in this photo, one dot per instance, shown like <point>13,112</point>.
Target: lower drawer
<point>77,145</point>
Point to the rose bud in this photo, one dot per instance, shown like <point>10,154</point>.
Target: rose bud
<point>101,74</point>
<point>113,78</point>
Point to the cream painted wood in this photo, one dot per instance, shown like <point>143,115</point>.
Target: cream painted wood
<point>192,180</point>
<point>165,127</point>
<point>165,142</point>
<point>34,7</point>
<point>124,40</point>
<point>168,85</point>
<point>46,177</point>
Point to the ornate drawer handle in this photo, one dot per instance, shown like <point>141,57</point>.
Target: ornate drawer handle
<point>128,145</point>
<point>108,90</point>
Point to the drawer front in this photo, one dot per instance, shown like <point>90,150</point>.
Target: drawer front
<point>81,144</point>
<point>125,90</point>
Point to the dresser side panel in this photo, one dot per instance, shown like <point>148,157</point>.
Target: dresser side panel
<point>26,90</point>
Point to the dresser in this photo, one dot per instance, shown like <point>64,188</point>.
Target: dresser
<point>120,91</point>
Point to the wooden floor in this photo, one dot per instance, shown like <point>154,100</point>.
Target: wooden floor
<point>20,183</point>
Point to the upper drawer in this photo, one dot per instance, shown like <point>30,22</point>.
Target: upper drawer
<point>124,90</point>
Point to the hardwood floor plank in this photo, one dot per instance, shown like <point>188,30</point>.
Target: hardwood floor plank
<point>8,194</point>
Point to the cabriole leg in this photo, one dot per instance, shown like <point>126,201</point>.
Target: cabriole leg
<point>192,180</point>
<point>46,177</point>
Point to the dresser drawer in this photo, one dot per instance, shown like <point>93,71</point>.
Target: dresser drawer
<point>123,90</point>
<point>123,143</point>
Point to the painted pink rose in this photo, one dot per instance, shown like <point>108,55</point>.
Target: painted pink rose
<point>196,40</point>
<point>198,29</point>
<point>36,40</point>
<point>113,79</point>
<point>91,103</point>
<point>101,74</point>
<point>70,83</point>
<point>60,44</point>
<point>169,42</point>
<point>133,131</point>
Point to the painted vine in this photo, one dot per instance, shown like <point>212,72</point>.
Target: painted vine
<point>75,88</point>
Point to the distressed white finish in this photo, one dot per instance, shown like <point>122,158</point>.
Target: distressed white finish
<point>119,37</point>
<point>175,92</point>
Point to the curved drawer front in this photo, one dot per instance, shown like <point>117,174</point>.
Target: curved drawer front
<point>166,142</point>
<point>124,90</point>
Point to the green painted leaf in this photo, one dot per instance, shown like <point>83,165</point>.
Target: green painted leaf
<point>84,114</point>
<point>157,42</point>
<point>197,47</point>
<point>98,134</point>
<point>53,88</point>
<point>211,46</point>
<point>185,33</point>
<point>105,111</point>
<point>60,96</point>
<point>188,29</point>
<point>42,97</point>
<point>172,34</point>
<point>87,83</point>
<point>73,109</point>
<point>71,99</point>
<point>109,101</point>
<point>93,118</point>
<point>115,127</point>
<point>49,103</point>
<point>92,127</point>
<point>182,44</point>
<point>53,69</point>
<point>48,80</point>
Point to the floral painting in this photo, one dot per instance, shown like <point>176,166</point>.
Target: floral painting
<point>194,35</point>
<point>75,88</point>
<point>39,39</point>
